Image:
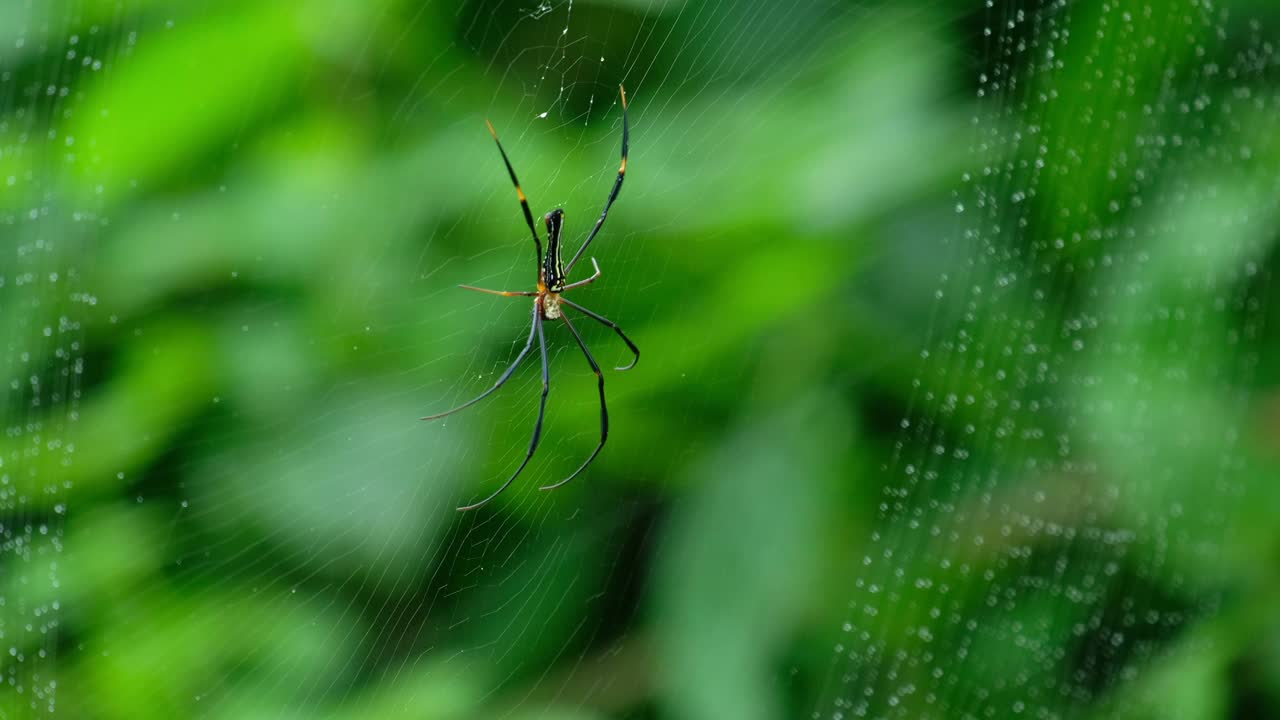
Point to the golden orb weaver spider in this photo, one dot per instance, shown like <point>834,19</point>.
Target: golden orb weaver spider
<point>548,304</point>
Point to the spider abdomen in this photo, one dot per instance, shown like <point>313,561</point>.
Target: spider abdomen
<point>552,267</point>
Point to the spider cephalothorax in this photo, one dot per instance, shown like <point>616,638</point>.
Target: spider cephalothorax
<point>548,304</point>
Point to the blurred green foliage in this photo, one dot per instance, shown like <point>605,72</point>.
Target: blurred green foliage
<point>957,397</point>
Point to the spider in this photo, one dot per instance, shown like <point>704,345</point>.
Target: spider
<point>549,303</point>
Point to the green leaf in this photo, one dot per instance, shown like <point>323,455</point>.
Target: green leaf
<point>181,94</point>
<point>740,562</point>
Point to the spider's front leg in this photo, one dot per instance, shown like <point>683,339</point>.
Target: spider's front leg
<point>528,344</point>
<point>604,409</point>
<point>542,413</point>
<point>611,325</point>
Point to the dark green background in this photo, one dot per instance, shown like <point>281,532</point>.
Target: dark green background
<point>958,394</point>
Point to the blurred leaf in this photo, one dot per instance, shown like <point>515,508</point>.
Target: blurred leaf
<point>162,381</point>
<point>162,652</point>
<point>293,217</point>
<point>354,487</point>
<point>70,580</point>
<point>538,595</point>
<point>740,562</point>
<point>1191,682</point>
<point>184,92</point>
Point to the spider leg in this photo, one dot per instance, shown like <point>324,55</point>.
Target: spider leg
<point>610,324</point>
<point>604,410</point>
<point>503,293</point>
<point>519,358</point>
<point>537,428</point>
<point>617,186</point>
<point>524,201</point>
<point>588,281</point>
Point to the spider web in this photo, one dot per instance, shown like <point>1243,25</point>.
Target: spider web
<point>953,397</point>
<point>1067,514</point>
